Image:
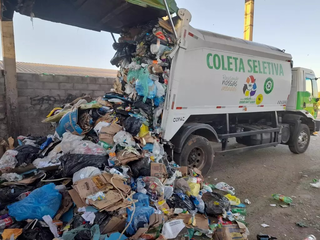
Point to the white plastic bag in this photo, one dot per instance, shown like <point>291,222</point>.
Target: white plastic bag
<point>86,172</point>
<point>8,159</point>
<point>160,89</point>
<point>225,187</point>
<point>124,139</point>
<point>75,145</point>
<point>11,177</point>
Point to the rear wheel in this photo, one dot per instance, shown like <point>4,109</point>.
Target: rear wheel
<point>300,142</point>
<point>197,152</point>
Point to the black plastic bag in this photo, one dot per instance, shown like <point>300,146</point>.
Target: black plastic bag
<point>38,232</point>
<point>181,200</point>
<point>140,168</point>
<point>9,194</point>
<point>146,107</point>
<point>132,125</point>
<point>72,163</point>
<point>27,154</point>
<point>215,203</point>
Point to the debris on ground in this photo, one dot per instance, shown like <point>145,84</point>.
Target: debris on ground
<point>265,237</point>
<point>104,173</point>
<point>302,224</point>
<point>315,183</point>
<point>265,225</point>
<point>282,198</point>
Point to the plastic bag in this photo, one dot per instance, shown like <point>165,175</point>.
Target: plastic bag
<point>154,187</point>
<point>215,203</point>
<point>124,139</point>
<point>225,187</point>
<point>181,200</point>
<point>194,187</point>
<point>144,130</point>
<point>140,167</point>
<point>147,90</point>
<point>143,199</point>
<point>8,160</point>
<point>72,163</point>
<point>160,89</point>
<point>86,172</point>
<point>199,203</point>
<point>42,201</point>
<point>140,218</point>
<point>133,125</point>
<point>234,201</point>
<point>11,177</point>
<point>75,145</point>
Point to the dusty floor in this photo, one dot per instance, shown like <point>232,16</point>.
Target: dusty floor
<point>258,174</point>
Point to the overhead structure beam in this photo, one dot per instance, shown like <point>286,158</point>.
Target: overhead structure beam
<point>248,20</point>
<point>9,64</point>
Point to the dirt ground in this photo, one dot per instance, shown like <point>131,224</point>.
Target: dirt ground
<point>258,174</point>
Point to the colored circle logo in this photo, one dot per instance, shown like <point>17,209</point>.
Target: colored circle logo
<point>250,87</point>
<point>268,85</point>
<point>259,99</point>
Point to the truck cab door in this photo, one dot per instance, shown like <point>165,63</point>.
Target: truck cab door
<point>309,98</point>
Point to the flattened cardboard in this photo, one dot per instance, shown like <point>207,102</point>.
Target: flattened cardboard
<point>85,187</point>
<point>112,197</point>
<point>184,171</point>
<point>66,204</point>
<point>117,181</point>
<point>139,233</point>
<point>115,224</point>
<point>124,157</point>
<point>76,198</point>
<point>230,232</point>
<point>112,129</point>
<point>158,170</point>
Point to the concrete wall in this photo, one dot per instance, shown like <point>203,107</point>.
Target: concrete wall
<point>39,94</point>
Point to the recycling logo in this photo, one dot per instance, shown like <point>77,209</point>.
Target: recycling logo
<point>250,87</point>
<point>268,85</point>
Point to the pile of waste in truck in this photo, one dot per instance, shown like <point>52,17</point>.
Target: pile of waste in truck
<point>104,173</point>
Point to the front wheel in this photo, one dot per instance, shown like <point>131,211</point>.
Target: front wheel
<point>197,152</point>
<point>300,142</point>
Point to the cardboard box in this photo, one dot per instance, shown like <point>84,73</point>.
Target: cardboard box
<point>231,232</point>
<point>158,170</point>
<point>107,133</point>
<point>76,198</point>
<point>115,224</point>
<point>124,157</point>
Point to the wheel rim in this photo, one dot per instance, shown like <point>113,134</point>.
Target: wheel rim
<point>303,139</point>
<point>196,158</point>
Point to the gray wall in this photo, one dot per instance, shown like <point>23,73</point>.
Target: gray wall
<point>39,94</point>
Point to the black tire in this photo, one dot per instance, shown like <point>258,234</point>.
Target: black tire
<point>300,141</point>
<point>197,152</point>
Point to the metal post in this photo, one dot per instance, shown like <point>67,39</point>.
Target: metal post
<point>169,15</point>
<point>248,20</point>
<point>10,75</point>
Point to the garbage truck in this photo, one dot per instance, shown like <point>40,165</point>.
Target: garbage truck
<point>223,87</point>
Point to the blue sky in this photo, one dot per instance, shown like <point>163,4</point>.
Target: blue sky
<point>286,24</point>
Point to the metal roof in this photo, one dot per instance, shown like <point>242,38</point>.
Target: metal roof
<point>37,68</point>
<point>99,15</point>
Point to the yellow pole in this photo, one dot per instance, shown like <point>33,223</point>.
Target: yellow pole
<point>248,20</point>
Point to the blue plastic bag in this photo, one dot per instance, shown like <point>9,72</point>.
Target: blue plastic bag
<point>42,201</point>
<point>141,215</point>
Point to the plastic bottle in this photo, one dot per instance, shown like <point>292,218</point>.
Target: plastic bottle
<point>310,237</point>
<point>6,222</point>
<point>242,211</point>
<point>282,198</point>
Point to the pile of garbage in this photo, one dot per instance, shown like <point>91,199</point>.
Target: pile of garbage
<point>104,173</point>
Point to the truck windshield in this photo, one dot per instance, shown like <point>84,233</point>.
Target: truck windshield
<point>311,85</point>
